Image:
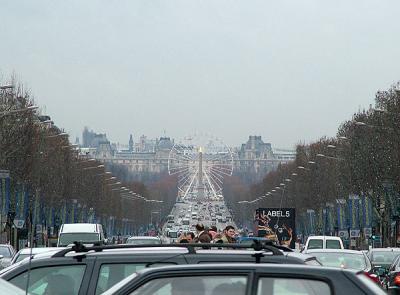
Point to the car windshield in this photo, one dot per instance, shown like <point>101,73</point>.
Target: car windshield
<point>385,257</point>
<point>69,238</point>
<point>342,260</point>
<point>143,241</point>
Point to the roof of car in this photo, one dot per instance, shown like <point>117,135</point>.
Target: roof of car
<point>143,238</point>
<point>80,228</point>
<point>385,249</point>
<point>277,268</point>
<point>324,237</point>
<point>311,251</point>
<point>38,250</point>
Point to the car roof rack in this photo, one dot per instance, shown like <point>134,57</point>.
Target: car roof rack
<point>79,247</point>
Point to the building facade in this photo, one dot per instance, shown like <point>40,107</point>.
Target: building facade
<point>251,162</point>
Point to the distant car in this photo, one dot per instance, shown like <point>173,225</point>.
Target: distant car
<point>241,279</point>
<point>26,252</point>
<point>383,257</point>
<point>323,242</point>
<point>143,240</point>
<point>80,232</point>
<point>6,254</point>
<point>349,259</point>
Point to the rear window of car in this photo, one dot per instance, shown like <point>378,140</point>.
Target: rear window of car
<point>333,244</point>
<point>315,244</point>
<point>298,286</point>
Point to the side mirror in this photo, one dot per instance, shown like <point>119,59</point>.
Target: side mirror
<point>1,256</point>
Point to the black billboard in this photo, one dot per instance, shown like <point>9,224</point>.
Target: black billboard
<point>276,224</point>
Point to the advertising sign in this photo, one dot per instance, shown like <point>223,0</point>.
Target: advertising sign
<point>277,224</point>
<point>367,232</point>
<point>19,223</point>
<point>344,234</point>
<point>354,233</point>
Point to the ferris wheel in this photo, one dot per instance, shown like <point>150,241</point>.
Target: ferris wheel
<point>200,161</point>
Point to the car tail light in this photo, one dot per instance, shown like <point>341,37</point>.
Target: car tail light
<point>373,277</point>
<point>396,280</point>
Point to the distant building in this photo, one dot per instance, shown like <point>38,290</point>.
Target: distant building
<point>251,161</point>
<point>91,139</point>
<point>255,159</point>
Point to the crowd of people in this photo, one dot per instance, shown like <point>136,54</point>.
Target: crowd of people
<point>209,235</point>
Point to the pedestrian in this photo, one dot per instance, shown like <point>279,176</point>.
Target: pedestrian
<point>190,237</point>
<point>229,235</point>
<point>202,234</point>
<point>213,231</point>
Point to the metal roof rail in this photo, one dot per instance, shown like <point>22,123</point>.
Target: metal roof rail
<point>257,246</point>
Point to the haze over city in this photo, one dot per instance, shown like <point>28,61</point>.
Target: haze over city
<point>289,71</point>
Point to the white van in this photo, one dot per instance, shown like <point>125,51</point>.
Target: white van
<point>323,242</point>
<point>88,233</point>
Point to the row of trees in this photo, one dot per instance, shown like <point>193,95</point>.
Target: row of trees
<point>40,158</point>
<point>363,159</point>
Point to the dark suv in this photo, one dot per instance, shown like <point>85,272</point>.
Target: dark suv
<point>93,270</point>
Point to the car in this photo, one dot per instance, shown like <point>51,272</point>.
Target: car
<point>351,259</point>
<point>80,232</point>
<point>26,252</point>
<point>93,270</point>
<point>6,254</point>
<point>246,278</point>
<point>140,240</point>
<point>383,257</point>
<point>323,242</point>
<point>392,278</point>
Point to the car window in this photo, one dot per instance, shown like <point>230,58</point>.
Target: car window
<point>5,251</point>
<point>333,244</point>
<point>315,244</point>
<point>21,257</point>
<point>293,286</point>
<point>61,280</point>
<point>394,263</point>
<point>195,285</point>
<point>110,274</point>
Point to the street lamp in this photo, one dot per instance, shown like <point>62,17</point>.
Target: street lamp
<point>242,202</point>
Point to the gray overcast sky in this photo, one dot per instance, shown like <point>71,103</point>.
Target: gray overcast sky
<point>287,70</point>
